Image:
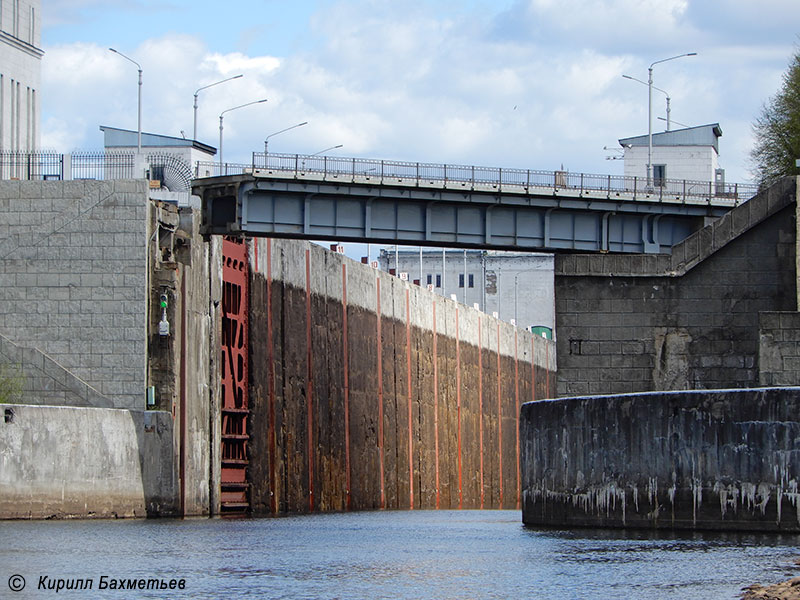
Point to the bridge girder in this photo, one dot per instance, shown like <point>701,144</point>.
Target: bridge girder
<point>364,211</point>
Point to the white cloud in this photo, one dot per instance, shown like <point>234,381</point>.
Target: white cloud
<point>535,85</point>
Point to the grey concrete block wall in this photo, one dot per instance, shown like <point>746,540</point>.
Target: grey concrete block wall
<point>73,278</point>
<point>686,321</point>
<point>779,348</point>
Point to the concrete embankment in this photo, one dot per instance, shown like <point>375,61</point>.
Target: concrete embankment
<point>724,459</point>
<point>58,461</point>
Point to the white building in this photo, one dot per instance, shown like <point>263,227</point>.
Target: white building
<point>690,154</point>
<point>518,286</point>
<point>20,74</point>
<point>174,161</point>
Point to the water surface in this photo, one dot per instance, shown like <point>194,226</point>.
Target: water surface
<point>407,555</point>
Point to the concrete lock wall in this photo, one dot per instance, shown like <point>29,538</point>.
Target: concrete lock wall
<point>725,459</point>
<point>420,411</point>
<point>63,462</point>
<point>685,320</point>
<point>73,279</point>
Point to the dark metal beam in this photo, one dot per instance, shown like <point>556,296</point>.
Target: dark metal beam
<point>444,215</point>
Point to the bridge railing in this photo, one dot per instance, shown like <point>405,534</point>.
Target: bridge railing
<point>521,180</point>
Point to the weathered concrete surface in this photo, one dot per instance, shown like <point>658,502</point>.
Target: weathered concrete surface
<point>413,403</point>
<point>689,320</point>
<point>73,279</point>
<point>726,459</point>
<point>66,462</point>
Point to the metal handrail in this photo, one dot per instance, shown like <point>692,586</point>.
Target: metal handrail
<point>519,180</point>
<point>111,165</point>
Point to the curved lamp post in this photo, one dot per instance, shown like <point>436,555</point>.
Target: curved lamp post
<point>266,140</point>
<point>139,130</point>
<point>650,113</point>
<point>220,122</point>
<point>666,93</point>
<point>194,134</point>
<point>327,149</point>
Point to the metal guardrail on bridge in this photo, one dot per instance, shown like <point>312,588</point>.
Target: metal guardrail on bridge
<point>360,170</point>
<point>121,165</point>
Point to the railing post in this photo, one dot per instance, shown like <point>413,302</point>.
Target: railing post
<point>472,185</point>
<point>381,172</point>
<point>445,175</point>
<point>500,179</point>
<point>609,186</point>
<point>528,185</point>
<point>581,184</point>
<point>296,163</point>
<point>684,191</point>
<point>635,186</point>
<point>710,191</point>
<point>417,173</point>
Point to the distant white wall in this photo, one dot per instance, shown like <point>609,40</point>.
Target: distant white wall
<point>517,286</point>
<point>692,163</point>
<point>20,74</point>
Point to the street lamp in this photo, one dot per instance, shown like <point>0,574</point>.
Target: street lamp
<point>220,122</point>
<point>194,134</point>
<point>666,93</point>
<point>327,149</point>
<point>650,113</point>
<point>266,140</point>
<point>138,66</point>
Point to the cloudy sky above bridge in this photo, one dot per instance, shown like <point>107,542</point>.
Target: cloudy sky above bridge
<point>513,83</point>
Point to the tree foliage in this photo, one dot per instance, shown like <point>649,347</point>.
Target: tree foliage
<point>777,130</point>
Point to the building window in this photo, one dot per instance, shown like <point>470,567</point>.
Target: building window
<point>471,280</point>
<point>430,279</point>
<point>659,175</point>
<point>461,280</point>
<point>438,281</point>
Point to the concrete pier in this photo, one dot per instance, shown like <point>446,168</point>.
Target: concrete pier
<point>721,459</point>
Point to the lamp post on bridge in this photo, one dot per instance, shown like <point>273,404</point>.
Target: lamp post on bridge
<point>666,93</point>
<point>327,149</point>
<point>650,114</point>
<point>266,140</point>
<point>194,134</point>
<point>220,123</point>
<point>139,127</point>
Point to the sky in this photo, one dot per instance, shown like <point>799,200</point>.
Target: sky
<point>534,84</point>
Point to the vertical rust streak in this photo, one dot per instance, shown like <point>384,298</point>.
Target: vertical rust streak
<point>547,369</point>
<point>183,395</point>
<point>516,404</point>
<point>458,405</point>
<point>499,421</point>
<point>346,369</point>
<point>533,369</point>
<point>309,387</point>
<point>480,402</point>
<point>380,394</point>
<point>410,419</point>
<point>435,405</point>
<point>273,490</point>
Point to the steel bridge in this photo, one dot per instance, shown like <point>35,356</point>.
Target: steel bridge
<point>362,200</point>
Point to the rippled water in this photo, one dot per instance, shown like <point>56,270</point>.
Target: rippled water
<point>422,554</point>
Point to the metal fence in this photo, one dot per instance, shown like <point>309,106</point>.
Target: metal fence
<point>120,165</point>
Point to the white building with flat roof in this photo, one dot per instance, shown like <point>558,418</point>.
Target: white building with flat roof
<point>690,154</point>
<point>518,286</point>
<point>20,74</point>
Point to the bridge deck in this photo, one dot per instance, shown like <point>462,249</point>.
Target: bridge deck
<point>312,197</point>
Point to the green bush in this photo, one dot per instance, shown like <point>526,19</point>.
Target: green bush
<point>11,382</point>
